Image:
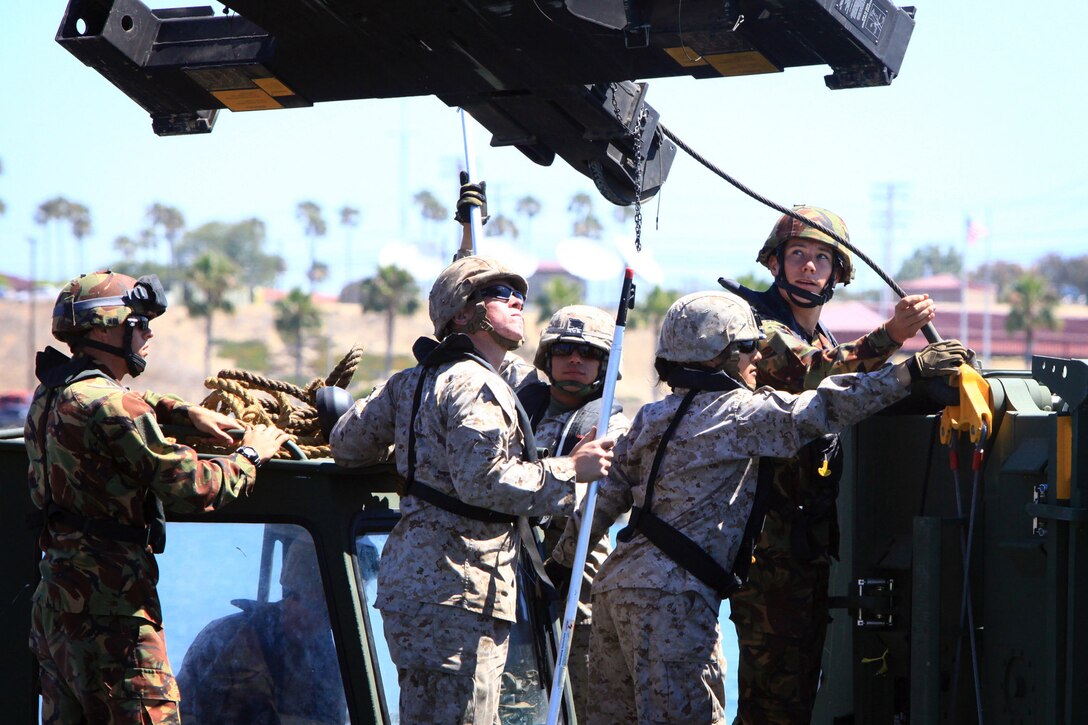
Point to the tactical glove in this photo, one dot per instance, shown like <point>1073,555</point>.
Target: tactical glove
<point>472,195</point>
<point>560,576</point>
<point>938,359</point>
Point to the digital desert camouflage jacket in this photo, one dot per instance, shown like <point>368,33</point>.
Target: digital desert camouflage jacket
<point>469,446</point>
<point>551,434</point>
<point>706,484</point>
<point>105,452</point>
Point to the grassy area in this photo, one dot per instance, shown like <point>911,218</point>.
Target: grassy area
<point>247,354</point>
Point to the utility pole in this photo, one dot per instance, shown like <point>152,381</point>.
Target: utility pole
<point>32,288</point>
<point>888,223</point>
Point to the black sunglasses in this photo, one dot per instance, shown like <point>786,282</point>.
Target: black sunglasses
<point>587,352</point>
<point>500,292</point>
<point>746,346</point>
<point>139,322</point>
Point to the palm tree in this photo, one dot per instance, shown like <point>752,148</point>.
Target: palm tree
<point>1031,306</point>
<point>392,291</point>
<point>127,246</point>
<point>432,211</point>
<point>556,293</point>
<point>501,226</point>
<point>585,223</point>
<point>212,275</point>
<point>313,226</point>
<point>79,217</point>
<point>528,206</point>
<point>349,220</point>
<point>296,315</point>
<point>168,221</point>
<point>49,216</point>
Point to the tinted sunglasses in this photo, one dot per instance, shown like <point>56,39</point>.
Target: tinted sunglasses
<point>499,292</point>
<point>586,352</point>
<point>139,322</point>
<point>745,346</point>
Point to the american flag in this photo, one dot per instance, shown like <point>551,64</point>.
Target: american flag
<point>976,231</point>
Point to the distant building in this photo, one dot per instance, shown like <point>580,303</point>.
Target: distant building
<point>851,319</point>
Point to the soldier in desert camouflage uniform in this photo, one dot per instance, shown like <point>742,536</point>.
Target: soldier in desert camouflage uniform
<point>101,472</point>
<point>273,662</point>
<point>781,615</point>
<point>446,584</point>
<point>573,354</point>
<point>686,469</point>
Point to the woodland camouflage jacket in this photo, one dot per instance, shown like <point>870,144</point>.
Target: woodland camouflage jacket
<point>105,453</point>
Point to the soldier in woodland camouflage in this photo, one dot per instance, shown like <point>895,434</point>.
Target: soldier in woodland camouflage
<point>781,615</point>
<point>446,580</point>
<point>101,472</point>
<point>686,470</point>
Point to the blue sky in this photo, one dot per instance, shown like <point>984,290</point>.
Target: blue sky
<point>986,119</point>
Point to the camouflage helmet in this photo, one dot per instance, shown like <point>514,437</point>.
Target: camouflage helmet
<point>699,326</point>
<point>575,323</point>
<point>458,282</point>
<point>104,299</point>
<point>788,228</point>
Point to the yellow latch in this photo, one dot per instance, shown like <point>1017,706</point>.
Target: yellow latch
<point>974,412</point>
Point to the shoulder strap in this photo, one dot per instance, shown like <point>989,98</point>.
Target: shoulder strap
<point>431,358</point>
<point>534,397</point>
<point>674,544</point>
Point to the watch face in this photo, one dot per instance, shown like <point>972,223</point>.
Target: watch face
<point>250,454</point>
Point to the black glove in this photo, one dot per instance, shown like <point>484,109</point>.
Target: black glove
<point>560,576</point>
<point>472,195</point>
<point>938,359</point>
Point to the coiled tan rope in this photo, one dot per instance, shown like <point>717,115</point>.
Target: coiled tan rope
<point>255,399</point>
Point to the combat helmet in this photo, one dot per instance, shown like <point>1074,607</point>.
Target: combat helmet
<point>699,326</point>
<point>578,324</point>
<point>787,228</point>
<point>458,284</point>
<point>107,299</point>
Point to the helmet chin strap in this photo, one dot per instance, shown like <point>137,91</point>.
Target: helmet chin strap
<point>731,367</point>
<point>134,362</point>
<point>802,297</point>
<point>480,323</point>
<point>504,342</point>
<point>573,387</point>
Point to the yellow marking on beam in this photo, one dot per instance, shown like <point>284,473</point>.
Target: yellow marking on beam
<point>685,56</point>
<point>253,99</point>
<point>273,86</point>
<point>746,63</point>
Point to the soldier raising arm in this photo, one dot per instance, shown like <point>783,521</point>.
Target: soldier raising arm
<point>686,469</point>
<point>446,581</point>
<point>781,614</point>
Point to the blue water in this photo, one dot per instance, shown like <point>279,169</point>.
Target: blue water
<point>206,566</point>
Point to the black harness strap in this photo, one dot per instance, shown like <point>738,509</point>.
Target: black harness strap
<point>430,356</point>
<point>671,541</point>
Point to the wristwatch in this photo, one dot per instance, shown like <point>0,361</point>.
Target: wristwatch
<point>250,454</point>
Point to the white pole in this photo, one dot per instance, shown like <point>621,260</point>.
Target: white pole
<point>574,591</point>
<point>470,167</point>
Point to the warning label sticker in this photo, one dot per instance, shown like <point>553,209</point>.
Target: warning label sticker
<point>868,16</point>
